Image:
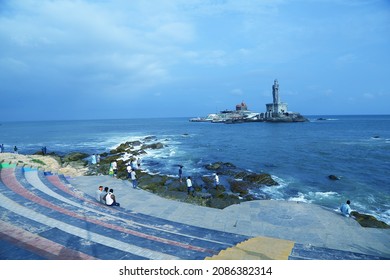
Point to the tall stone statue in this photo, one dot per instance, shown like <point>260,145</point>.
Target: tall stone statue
<point>275,92</point>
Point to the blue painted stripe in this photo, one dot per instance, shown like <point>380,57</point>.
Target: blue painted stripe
<point>10,251</point>
<point>218,236</point>
<point>146,230</point>
<point>97,250</point>
<point>132,239</point>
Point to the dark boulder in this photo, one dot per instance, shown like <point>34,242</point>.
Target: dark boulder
<point>153,146</point>
<point>150,138</point>
<point>263,179</point>
<point>239,187</point>
<point>75,156</point>
<point>217,166</point>
<point>333,177</point>
<point>368,221</point>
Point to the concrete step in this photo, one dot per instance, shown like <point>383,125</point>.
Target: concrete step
<point>258,248</point>
<point>71,220</point>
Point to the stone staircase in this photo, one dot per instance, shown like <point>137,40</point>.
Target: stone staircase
<point>45,217</point>
<point>42,216</point>
<point>266,248</point>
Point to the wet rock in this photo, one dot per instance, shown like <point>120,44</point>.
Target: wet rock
<point>221,203</point>
<point>220,166</point>
<point>75,156</point>
<point>153,146</point>
<point>240,187</point>
<point>263,179</point>
<point>150,138</point>
<point>203,195</point>
<point>333,177</point>
<point>368,221</point>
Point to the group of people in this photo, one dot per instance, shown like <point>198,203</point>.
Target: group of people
<point>95,159</point>
<point>189,180</point>
<point>130,168</point>
<point>106,196</point>
<point>2,149</point>
<point>16,150</point>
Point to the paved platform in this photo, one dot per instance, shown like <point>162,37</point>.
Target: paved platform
<point>306,224</point>
<point>48,216</point>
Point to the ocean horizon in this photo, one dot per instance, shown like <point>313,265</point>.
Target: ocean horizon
<point>299,156</point>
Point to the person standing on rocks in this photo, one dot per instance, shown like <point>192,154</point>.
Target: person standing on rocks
<point>97,159</point>
<point>114,167</point>
<point>189,185</point>
<point>139,163</point>
<point>2,148</point>
<point>216,179</point>
<point>129,169</point>
<point>133,179</point>
<point>93,159</point>
<point>15,150</point>
<point>180,173</point>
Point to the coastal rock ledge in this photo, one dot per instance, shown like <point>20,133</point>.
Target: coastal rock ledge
<point>235,186</point>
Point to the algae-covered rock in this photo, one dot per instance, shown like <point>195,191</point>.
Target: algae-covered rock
<point>153,146</point>
<point>220,166</point>
<point>264,179</point>
<point>240,187</point>
<point>368,221</point>
<point>75,156</point>
<point>221,203</point>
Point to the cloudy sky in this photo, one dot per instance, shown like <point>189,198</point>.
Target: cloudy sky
<point>101,59</point>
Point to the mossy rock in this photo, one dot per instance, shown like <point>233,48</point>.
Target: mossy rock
<point>368,221</point>
<point>175,185</point>
<point>208,181</point>
<point>153,146</point>
<point>153,183</point>
<point>220,166</point>
<point>150,138</point>
<point>109,159</point>
<point>217,191</point>
<point>221,203</point>
<point>263,179</point>
<point>75,156</point>
<point>240,187</point>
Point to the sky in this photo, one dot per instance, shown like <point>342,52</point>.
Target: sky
<point>84,59</point>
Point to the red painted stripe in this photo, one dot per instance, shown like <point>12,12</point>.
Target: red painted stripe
<point>9,179</point>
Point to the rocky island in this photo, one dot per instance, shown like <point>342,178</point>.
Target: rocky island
<point>276,111</point>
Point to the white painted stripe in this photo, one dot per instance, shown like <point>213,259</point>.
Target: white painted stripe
<point>97,238</point>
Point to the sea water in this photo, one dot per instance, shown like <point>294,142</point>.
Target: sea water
<point>299,156</point>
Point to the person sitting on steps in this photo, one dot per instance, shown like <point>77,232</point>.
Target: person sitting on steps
<point>110,199</point>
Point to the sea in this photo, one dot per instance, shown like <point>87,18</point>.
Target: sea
<point>299,156</point>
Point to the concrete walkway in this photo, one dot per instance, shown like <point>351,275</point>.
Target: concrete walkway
<point>306,224</point>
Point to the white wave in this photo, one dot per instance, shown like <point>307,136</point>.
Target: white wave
<point>385,216</point>
<point>275,192</point>
<point>323,195</point>
<point>300,198</point>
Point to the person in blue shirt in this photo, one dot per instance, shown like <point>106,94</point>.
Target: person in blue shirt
<point>346,209</point>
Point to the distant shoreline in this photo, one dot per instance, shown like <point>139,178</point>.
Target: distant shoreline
<point>49,163</point>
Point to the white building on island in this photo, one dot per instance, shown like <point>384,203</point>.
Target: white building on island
<point>276,108</point>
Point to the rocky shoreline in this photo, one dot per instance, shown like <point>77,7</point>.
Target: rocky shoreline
<point>235,183</point>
